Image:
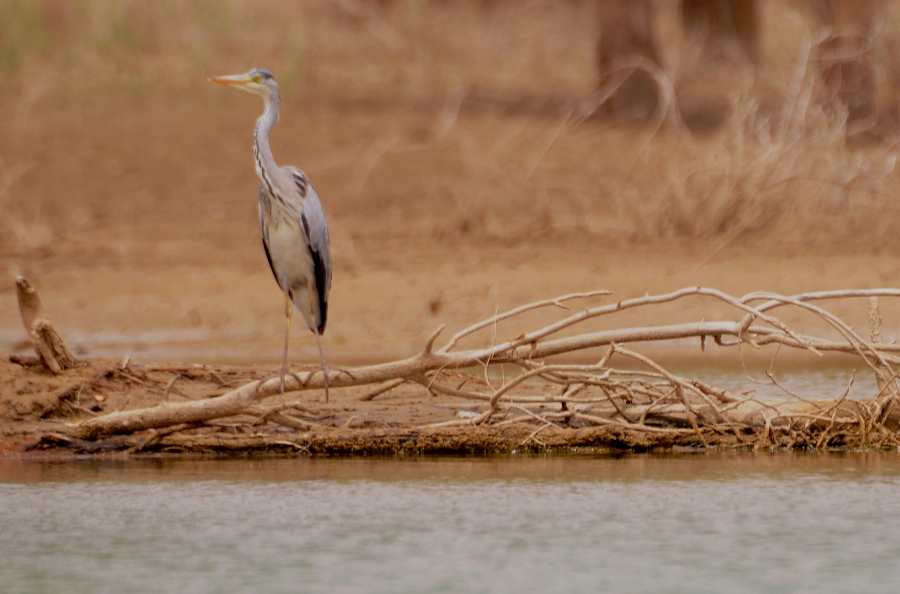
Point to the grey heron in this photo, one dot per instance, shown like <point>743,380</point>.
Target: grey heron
<point>291,221</point>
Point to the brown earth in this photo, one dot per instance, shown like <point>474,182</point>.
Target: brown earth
<point>441,139</point>
<point>139,231</point>
<point>39,408</point>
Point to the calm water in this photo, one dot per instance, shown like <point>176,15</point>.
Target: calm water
<point>693,523</point>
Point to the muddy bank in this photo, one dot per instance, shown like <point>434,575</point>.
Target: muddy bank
<point>42,413</point>
<point>38,410</point>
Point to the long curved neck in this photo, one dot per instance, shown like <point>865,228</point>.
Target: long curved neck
<point>265,162</point>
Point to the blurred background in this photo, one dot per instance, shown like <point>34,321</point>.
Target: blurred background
<point>470,155</point>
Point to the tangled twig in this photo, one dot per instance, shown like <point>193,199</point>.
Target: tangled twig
<point>650,401</point>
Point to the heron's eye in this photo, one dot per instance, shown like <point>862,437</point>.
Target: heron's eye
<point>258,78</point>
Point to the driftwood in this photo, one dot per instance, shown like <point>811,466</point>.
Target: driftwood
<point>48,344</point>
<point>625,399</point>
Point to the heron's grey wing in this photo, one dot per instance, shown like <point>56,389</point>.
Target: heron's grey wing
<point>262,231</point>
<point>316,228</point>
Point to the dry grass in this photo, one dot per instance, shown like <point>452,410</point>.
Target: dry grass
<point>346,50</point>
<point>24,232</point>
<point>486,136</point>
<point>784,172</point>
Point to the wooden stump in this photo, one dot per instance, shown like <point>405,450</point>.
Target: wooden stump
<point>47,342</point>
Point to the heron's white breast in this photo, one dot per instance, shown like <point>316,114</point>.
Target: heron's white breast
<point>290,254</point>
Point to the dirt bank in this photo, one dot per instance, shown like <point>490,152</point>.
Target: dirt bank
<point>37,410</point>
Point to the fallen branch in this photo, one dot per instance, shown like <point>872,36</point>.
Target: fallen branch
<point>653,402</point>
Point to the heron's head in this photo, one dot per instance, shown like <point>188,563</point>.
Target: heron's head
<point>257,81</point>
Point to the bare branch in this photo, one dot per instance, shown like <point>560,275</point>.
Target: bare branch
<point>649,402</point>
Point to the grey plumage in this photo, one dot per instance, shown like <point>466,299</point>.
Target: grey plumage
<point>305,225</point>
<point>292,223</point>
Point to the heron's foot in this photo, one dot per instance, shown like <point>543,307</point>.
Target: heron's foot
<point>261,382</point>
<point>342,370</point>
<point>301,378</point>
<point>281,376</point>
<point>302,382</point>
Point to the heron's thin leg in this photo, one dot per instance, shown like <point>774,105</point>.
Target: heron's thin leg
<point>289,313</point>
<point>324,364</point>
<point>310,318</point>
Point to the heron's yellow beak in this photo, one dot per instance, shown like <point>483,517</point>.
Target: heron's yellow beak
<point>237,79</point>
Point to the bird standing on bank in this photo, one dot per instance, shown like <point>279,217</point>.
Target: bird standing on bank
<point>291,220</point>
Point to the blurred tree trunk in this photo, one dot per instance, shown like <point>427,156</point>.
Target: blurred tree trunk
<point>725,21</point>
<point>631,29</point>
<point>626,34</point>
<point>848,74</point>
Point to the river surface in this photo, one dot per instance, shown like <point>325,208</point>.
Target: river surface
<point>582,523</point>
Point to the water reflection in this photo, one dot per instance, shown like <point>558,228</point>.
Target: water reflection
<point>555,468</point>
